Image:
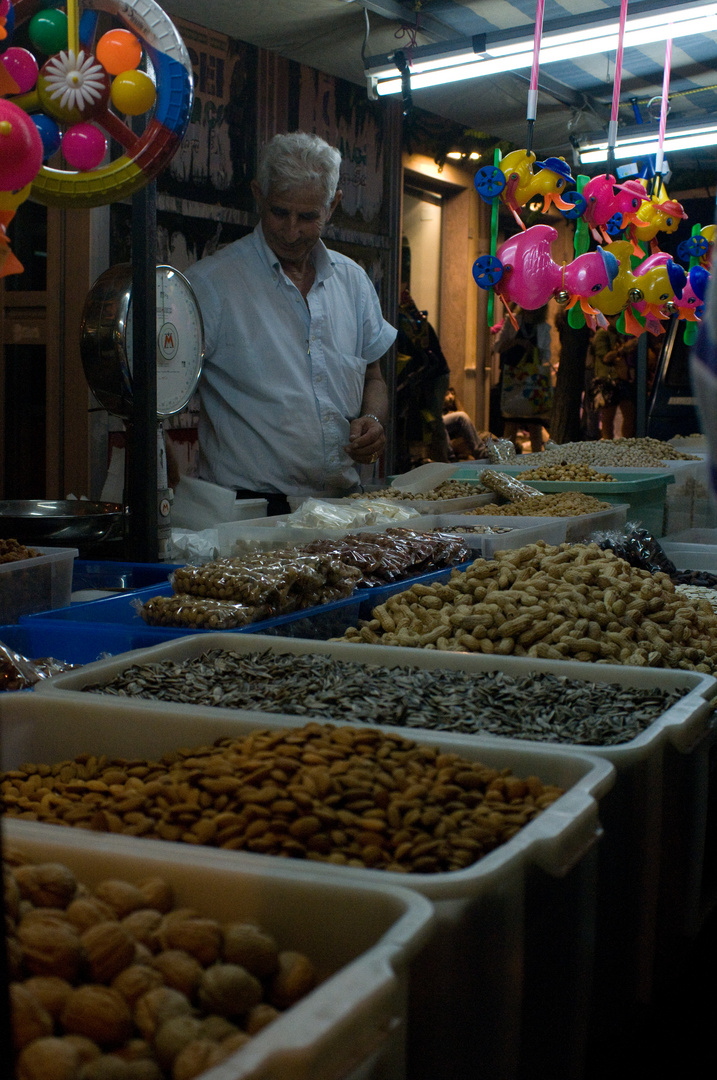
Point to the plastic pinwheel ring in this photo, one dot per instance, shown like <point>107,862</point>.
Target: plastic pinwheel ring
<point>74,89</point>
<point>579,205</point>
<point>487,271</point>
<point>489,182</point>
<point>694,248</point>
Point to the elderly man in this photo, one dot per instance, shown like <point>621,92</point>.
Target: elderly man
<point>291,397</point>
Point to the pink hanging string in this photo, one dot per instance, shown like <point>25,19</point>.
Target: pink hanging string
<point>660,155</point>
<point>612,127</point>
<point>533,92</point>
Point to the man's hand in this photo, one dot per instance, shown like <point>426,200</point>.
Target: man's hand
<point>367,440</point>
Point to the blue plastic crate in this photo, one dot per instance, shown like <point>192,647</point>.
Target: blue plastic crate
<point>73,643</point>
<point>120,613</point>
<point>99,574</point>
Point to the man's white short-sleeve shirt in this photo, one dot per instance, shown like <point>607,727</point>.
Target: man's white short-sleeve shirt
<point>283,377</point>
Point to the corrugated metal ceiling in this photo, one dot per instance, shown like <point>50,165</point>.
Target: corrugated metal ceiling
<point>575,96</point>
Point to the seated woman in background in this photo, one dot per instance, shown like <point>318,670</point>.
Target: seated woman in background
<point>465,441</point>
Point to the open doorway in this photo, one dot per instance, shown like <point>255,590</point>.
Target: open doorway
<point>422,212</point>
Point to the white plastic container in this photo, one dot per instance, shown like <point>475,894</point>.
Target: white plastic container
<point>38,584</point>
<point>687,556</point>
<point>577,529</point>
<point>522,531</point>
<point>649,888</point>
<point>470,989</point>
<point>361,939</point>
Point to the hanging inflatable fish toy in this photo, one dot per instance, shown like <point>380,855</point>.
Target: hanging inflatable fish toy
<point>658,280</point>
<point>518,178</point>
<point>690,305</point>
<point>655,216</point>
<point>524,272</point>
<point>607,205</point>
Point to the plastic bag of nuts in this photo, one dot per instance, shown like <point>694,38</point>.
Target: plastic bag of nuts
<point>508,486</point>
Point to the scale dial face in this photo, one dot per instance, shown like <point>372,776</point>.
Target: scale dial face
<point>106,341</point>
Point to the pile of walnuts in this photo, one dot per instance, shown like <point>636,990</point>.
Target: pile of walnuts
<point>115,983</point>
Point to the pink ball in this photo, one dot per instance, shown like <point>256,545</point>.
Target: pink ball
<point>22,66</point>
<point>83,146</point>
<point>20,148</point>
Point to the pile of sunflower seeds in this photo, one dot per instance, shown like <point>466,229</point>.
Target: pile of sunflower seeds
<point>541,706</point>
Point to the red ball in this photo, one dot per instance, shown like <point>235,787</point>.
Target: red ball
<point>20,148</point>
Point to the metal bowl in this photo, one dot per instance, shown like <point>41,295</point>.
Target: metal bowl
<point>43,521</point>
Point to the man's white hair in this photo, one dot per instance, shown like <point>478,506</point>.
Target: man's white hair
<point>290,161</point>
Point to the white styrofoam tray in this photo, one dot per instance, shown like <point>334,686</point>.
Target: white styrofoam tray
<point>652,856</point>
<point>481,912</point>
<point>359,937</point>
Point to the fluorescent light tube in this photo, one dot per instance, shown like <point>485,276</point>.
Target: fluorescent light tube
<point>642,145</point>
<point>463,63</point>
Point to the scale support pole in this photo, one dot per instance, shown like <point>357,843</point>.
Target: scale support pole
<point>141,473</point>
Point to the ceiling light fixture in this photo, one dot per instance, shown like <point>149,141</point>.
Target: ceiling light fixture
<point>491,54</point>
<point>645,143</point>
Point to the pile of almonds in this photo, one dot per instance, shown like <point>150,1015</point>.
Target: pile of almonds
<point>350,796</point>
<point>115,983</point>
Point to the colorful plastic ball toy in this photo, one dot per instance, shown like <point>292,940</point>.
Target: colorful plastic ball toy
<point>83,146</point>
<point>21,65</point>
<point>48,31</point>
<point>133,93</point>
<point>118,51</point>
<point>49,133</point>
<point>20,148</point>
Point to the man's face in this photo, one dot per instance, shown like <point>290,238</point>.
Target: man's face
<point>292,221</point>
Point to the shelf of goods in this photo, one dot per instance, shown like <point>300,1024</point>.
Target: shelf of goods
<point>504,979</point>
<point>360,937</point>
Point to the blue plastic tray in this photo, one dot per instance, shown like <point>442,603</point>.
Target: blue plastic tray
<point>98,574</point>
<point>73,643</point>
<point>119,613</point>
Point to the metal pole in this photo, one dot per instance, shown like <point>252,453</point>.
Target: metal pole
<point>641,417</point>
<point>141,472</point>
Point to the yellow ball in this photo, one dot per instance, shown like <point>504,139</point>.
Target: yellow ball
<point>133,93</point>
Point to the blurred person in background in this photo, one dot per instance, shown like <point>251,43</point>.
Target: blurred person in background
<point>526,376</point>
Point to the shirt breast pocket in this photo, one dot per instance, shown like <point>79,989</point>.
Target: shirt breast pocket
<point>349,381</point>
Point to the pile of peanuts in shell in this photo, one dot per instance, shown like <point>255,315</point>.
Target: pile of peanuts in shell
<point>349,796</point>
<point>115,982</point>
<point>449,489</point>
<point>570,602</point>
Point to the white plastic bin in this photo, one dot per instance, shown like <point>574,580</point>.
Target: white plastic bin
<point>360,937</point>
<point>468,988</point>
<point>649,888</point>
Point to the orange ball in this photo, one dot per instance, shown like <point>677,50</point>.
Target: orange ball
<point>133,93</point>
<point>118,51</point>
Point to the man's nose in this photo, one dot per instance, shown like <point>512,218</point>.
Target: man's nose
<point>292,224</point>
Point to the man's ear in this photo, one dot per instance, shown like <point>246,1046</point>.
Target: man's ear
<point>334,203</point>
